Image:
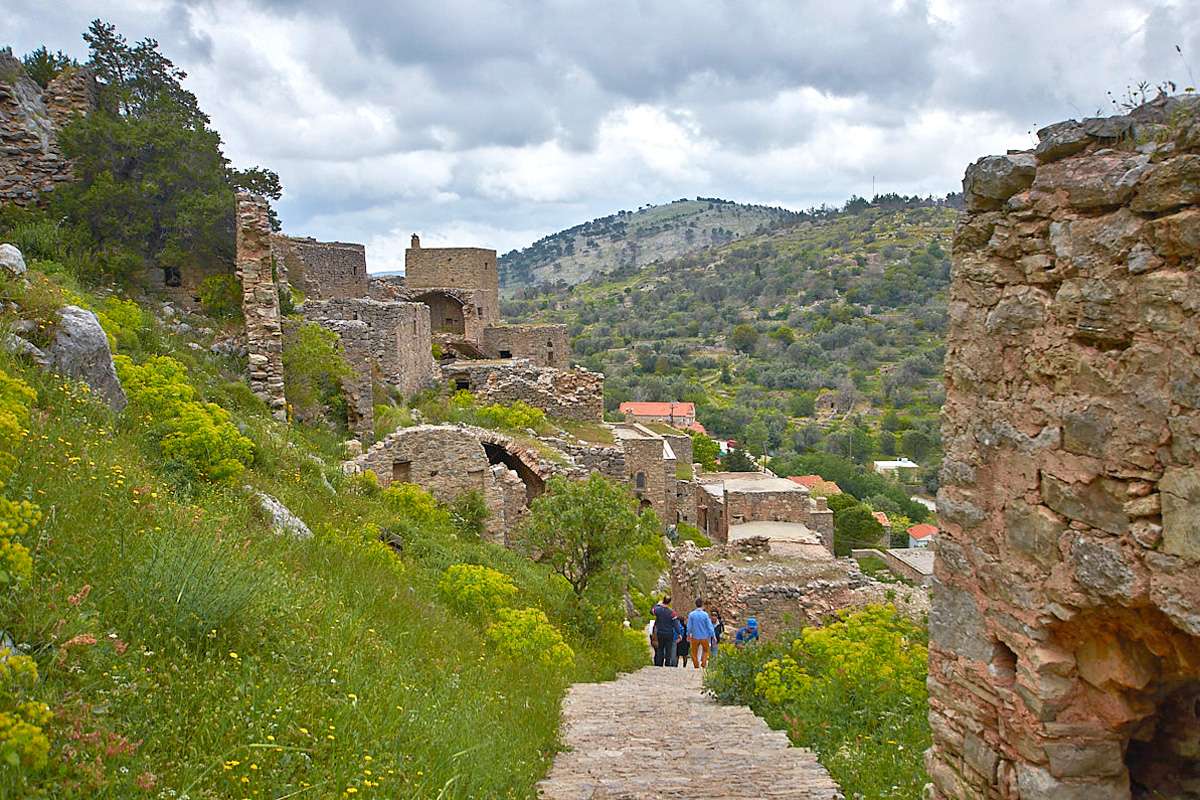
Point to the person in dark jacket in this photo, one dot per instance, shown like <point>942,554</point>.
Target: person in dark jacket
<point>719,628</point>
<point>662,635</point>
<point>681,643</point>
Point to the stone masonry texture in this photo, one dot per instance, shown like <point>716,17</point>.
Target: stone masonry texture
<point>458,267</point>
<point>400,338</point>
<point>574,394</point>
<point>31,163</point>
<point>322,270</point>
<point>260,302</point>
<point>1065,627</point>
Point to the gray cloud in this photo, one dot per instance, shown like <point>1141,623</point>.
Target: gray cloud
<point>495,122</point>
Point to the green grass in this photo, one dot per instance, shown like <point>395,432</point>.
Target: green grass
<point>592,432</point>
<point>223,652</point>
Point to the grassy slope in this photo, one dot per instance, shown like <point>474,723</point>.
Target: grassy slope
<point>230,662</point>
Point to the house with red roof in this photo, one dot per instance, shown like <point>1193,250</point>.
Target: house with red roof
<point>816,484</point>
<point>921,534</point>
<point>677,415</point>
<point>882,519</point>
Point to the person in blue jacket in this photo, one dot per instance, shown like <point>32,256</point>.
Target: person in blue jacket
<point>746,633</point>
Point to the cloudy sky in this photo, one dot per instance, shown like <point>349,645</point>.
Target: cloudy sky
<point>493,123</point>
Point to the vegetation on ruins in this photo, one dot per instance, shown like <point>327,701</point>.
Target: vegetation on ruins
<point>151,186</point>
<point>143,584</point>
<point>852,690</point>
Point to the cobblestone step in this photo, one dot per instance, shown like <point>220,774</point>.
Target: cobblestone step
<point>654,734</point>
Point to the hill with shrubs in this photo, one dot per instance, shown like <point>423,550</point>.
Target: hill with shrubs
<point>195,601</point>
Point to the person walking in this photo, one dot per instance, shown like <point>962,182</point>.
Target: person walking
<point>701,635</point>
<point>681,643</point>
<point>747,633</point>
<point>662,635</point>
<point>719,630</point>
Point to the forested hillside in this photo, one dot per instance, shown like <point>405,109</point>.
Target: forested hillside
<point>822,336</point>
<point>631,239</point>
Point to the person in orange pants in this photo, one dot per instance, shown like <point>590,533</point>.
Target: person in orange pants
<point>701,634</point>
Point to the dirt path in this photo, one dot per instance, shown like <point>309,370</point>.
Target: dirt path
<point>653,734</point>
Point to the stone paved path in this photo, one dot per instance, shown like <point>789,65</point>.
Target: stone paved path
<point>642,735</point>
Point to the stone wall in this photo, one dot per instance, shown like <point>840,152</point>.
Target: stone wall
<point>322,270</point>
<point>575,394</point>
<point>646,471</point>
<point>401,341</point>
<point>357,345</point>
<point>260,302</point>
<point>1065,629</point>
<point>471,268</point>
<point>451,460</point>
<point>544,345</point>
<point>711,516</point>
<point>30,119</point>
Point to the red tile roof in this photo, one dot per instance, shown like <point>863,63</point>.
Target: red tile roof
<point>659,409</point>
<point>881,518</point>
<point>922,531</point>
<point>697,427</point>
<point>816,482</point>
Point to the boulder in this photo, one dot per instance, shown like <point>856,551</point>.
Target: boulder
<point>993,179</point>
<point>11,260</point>
<point>1060,140</point>
<point>80,351</point>
<point>283,521</point>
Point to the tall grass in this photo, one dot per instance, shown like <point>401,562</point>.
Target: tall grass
<point>187,651</point>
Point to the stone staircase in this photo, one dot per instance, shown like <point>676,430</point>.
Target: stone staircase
<point>654,734</point>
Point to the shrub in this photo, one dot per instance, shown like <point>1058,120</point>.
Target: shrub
<point>476,590</point>
<point>22,741</point>
<point>221,296</point>
<point>17,517</point>
<point>200,438</point>
<point>527,635</point>
<point>690,533</point>
<point>519,416</point>
<point>124,323</point>
<point>853,690</point>
<point>469,513</point>
<point>313,367</point>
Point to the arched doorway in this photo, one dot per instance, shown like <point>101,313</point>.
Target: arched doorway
<point>445,312</point>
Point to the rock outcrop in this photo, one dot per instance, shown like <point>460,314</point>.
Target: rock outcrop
<point>1065,628</point>
<point>80,350</point>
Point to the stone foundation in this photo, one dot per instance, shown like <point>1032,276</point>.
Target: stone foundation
<point>260,302</point>
<point>1065,629</point>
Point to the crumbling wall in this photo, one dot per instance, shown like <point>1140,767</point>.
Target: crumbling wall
<point>401,344</point>
<point>575,394</point>
<point>1065,629</point>
<point>323,270</point>
<point>544,345</point>
<point>356,342</point>
<point>260,302</point>
<point>647,475</point>
<point>30,119</point>
<point>712,517</point>
<point>470,268</point>
<point>450,460</point>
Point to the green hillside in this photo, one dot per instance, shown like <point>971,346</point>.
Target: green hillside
<point>821,336</point>
<point>631,239</point>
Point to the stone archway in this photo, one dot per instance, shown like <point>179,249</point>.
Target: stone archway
<point>445,312</point>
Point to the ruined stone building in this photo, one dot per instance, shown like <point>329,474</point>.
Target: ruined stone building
<point>388,327</point>
<point>726,501</point>
<point>1065,628</point>
<point>30,119</point>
